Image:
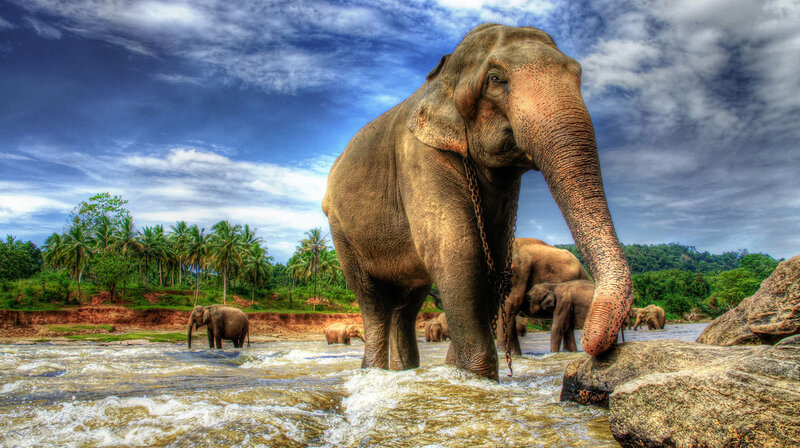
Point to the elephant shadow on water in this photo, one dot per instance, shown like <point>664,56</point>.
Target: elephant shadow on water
<point>428,192</point>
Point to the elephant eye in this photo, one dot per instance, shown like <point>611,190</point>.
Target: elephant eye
<point>497,79</point>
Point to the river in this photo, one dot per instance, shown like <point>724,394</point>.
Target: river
<point>288,394</point>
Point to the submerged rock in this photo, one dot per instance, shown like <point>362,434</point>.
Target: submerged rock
<point>684,394</point>
<point>769,315</point>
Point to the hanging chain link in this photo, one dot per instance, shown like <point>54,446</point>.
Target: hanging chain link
<point>499,282</point>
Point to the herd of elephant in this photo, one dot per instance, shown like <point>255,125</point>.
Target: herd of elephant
<point>547,282</point>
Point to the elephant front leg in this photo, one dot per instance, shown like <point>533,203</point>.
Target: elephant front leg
<point>376,338</point>
<point>210,338</point>
<point>404,351</point>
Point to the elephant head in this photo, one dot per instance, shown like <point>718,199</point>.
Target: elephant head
<point>511,101</point>
<point>198,318</point>
<point>538,299</point>
<point>352,332</point>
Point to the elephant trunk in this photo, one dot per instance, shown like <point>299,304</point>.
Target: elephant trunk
<point>568,160</point>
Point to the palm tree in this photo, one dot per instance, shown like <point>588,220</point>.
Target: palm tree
<point>179,237</point>
<point>77,250</point>
<point>314,243</point>
<point>104,234</point>
<point>196,253</point>
<point>255,266</point>
<point>226,251</point>
<point>54,251</point>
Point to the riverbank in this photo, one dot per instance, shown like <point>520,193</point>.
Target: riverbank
<point>56,325</point>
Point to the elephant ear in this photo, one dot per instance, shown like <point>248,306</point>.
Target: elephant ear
<point>206,315</point>
<point>436,121</point>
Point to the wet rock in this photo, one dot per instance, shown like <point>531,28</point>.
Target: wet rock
<point>684,394</point>
<point>766,317</point>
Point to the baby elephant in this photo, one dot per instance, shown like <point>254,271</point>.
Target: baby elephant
<point>340,333</point>
<point>224,322</point>
<point>569,303</point>
<point>434,331</point>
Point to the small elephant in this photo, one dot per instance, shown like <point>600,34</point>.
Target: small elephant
<point>522,326</point>
<point>340,333</point>
<point>627,324</point>
<point>445,330</point>
<point>434,332</point>
<point>652,315</point>
<point>224,322</point>
<point>533,261</point>
<point>569,302</point>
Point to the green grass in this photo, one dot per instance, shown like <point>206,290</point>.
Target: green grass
<point>150,336</point>
<point>75,328</point>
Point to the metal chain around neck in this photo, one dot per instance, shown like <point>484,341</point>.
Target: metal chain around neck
<point>499,282</point>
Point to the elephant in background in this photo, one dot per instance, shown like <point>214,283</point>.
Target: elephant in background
<point>402,199</point>
<point>223,322</point>
<point>652,315</point>
<point>630,319</point>
<point>341,333</point>
<point>569,302</point>
<point>522,326</point>
<point>533,261</point>
<point>434,332</point>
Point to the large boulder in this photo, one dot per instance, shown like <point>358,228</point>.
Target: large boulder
<point>685,394</point>
<point>766,317</point>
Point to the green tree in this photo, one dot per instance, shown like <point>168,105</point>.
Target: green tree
<point>179,238</point>
<point>760,265</point>
<point>226,247</point>
<point>314,244</point>
<point>256,267</point>
<point>77,251</point>
<point>731,287</point>
<point>18,259</point>
<point>196,254</point>
<point>87,214</point>
<point>109,269</point>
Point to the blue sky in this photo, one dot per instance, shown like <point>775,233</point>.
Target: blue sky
<point>218,109</point>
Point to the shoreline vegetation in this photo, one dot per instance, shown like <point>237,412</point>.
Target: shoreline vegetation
<point>102,258</point>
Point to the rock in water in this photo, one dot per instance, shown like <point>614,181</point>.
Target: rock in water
<point>684,394</point>
<point>769,315</point>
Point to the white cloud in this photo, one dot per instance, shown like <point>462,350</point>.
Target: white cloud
<point>43,29</point>
<point>5,25</point>
<point>181,183</point>
<point>22,205</point>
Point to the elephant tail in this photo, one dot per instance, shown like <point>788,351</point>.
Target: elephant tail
<point>248,338</point>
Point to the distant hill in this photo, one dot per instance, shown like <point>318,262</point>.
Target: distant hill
<point>658,257</point>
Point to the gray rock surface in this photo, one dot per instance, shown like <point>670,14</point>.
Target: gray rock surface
<point>769,315</point>
<point>684,394</point>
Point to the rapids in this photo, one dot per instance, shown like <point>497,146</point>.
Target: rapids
<point>288,394</point>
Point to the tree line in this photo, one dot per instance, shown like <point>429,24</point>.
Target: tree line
<point>683,280</point>
<point>101,244</point>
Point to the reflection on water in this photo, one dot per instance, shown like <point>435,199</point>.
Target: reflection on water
<point>288,394</point>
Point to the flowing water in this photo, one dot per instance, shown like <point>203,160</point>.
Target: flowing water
<point>288,394</point>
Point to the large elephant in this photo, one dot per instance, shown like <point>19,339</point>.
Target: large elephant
<point>533,261</point>
<point>428,191</point>
<point>224,322</point>
<point>652,315</point>
<point>569,303</point>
